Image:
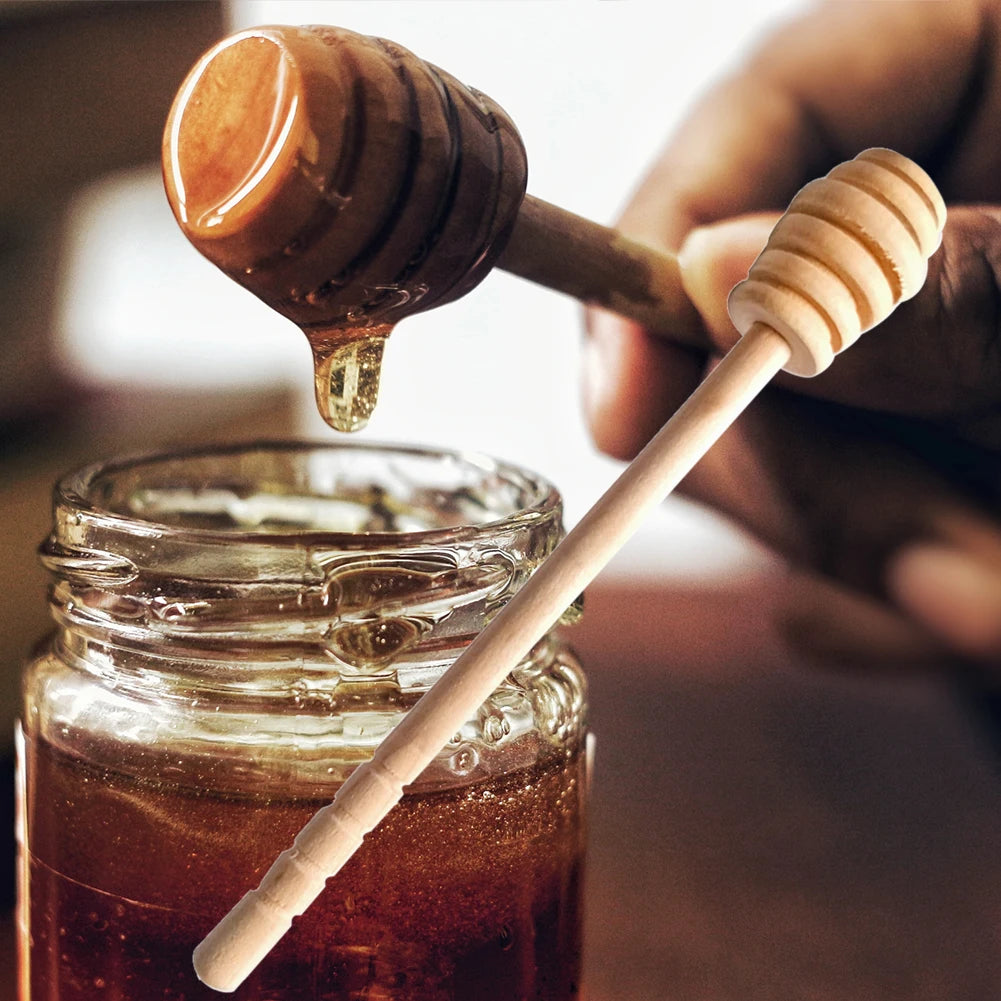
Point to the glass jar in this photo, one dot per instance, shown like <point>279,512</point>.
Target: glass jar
<point>237,628</point>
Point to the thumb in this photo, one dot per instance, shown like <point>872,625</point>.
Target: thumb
<point>936,356</point>
<point>716,257</point>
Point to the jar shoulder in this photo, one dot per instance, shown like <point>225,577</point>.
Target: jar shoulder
<point>296,731</point>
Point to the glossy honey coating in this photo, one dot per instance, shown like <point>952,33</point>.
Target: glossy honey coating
<point>338,177</point>
<point>851,247</point>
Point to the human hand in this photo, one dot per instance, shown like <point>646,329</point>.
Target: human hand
<point>883,473</point>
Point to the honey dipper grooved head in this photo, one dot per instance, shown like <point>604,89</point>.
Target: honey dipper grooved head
<point>338,177</point>
<point>850,247</point>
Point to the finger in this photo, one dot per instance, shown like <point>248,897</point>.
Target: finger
<point>909,75</point>
<point>937,356</point>
<point>632,383</point>
<point>847,496</point>
<point>828,626</point>
<point>952,584</point>
<point>955,593</point>
<point>712,260</point>
<point>837,80</point>
<point>842,491</point>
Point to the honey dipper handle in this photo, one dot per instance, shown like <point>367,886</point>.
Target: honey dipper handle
<point>246,935</point>
<point>600,266</point>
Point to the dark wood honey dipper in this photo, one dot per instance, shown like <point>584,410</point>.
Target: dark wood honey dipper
<point>349,184</point>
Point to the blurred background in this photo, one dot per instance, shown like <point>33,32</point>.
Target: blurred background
<point>117,336</point>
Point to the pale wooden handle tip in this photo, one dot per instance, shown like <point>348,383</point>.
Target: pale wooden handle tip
<point>239,942</point>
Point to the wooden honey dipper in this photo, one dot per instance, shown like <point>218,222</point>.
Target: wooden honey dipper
<point>850,247</point>
<point>349,184</point>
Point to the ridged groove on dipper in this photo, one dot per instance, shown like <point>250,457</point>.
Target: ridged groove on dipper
<point>846,174</point>
<point>811,237</point>
<point>769,279</point>
<point>849,327</point>
<point>906,170</point>
<point>871,244</point>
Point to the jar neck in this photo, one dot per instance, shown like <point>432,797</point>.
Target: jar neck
<point>267,567</point>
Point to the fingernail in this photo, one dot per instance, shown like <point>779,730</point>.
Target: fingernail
<point>713,259</point>
<point>955,594</point>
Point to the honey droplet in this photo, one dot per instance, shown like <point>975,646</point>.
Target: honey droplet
<point>346,377</point>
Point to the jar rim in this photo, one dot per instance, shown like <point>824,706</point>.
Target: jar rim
<point>84,490</point>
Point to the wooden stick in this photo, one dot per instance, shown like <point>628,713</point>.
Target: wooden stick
<point>249,932</point>
<point>602,267</point>
<point>849,248</point>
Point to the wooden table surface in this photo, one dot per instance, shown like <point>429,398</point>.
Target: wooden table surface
<point>760,831</point>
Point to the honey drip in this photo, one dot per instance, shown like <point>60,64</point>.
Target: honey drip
<point>346,376</point>
<point>339,178</point>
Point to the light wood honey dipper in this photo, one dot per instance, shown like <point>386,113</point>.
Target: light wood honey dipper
<point>850,247</point>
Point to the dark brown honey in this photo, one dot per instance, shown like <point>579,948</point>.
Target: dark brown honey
<point>464,894</point>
